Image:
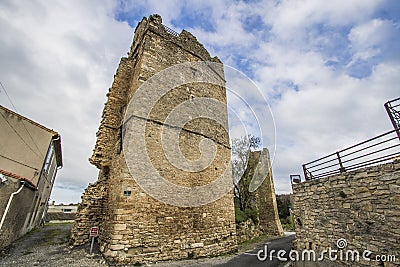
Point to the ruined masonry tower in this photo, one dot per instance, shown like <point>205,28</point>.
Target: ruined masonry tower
<point>134,227</point>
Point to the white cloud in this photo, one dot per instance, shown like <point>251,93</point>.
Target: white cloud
<point>58,60</point>
<point>375,38</point>
<point>326,68</point>
<point>293,18</point>
<point>337,113</point>
<point>169,10</point>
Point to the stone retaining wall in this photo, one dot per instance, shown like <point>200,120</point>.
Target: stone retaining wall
<point>90,212</point>
<point>362,207</point>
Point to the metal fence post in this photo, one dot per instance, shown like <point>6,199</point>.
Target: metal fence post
<point>342,169</point>
<point>305,173</point>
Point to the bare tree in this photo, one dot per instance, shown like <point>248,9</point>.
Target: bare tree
<point>241,148</point>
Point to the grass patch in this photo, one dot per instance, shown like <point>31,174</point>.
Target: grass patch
<point>251,243</point>
<point>255,240</point>
<point>34,230</point>
<point>55,235</point>
<point>58,223</point>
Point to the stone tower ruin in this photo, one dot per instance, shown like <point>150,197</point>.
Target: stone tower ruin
<point>134,226</point>
<point>265,196</point>
<point>261,198</point>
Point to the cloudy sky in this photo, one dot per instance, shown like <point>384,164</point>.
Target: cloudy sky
<point>325,67</point>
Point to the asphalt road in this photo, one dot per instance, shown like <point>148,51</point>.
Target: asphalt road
<point>250,259</point>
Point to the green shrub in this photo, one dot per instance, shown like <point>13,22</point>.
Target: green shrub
<point>252,214</point>
<point>240,216</point>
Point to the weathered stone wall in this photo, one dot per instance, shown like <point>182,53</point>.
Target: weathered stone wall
<point>137,228</point>
<point>361,206</point>
<point>90,212</point>
<point>247,230</point>
<point>266,201</point>
<point>262,200</point>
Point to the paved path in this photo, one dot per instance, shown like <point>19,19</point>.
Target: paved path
<point>249,258</point>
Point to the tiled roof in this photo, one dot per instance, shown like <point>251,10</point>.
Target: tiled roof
<point>16,176</point>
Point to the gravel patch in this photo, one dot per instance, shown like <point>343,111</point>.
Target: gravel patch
<point>48,247</point>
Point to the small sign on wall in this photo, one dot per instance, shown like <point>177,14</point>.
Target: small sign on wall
<point>94,231</point>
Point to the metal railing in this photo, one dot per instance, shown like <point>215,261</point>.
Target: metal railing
<point>171,31</point>
<point>377,150</point>
<point>393,110</point>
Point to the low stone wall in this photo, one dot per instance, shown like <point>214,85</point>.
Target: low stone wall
<point>91,211</point>
<point>247,230</point>
<point>362,207</point>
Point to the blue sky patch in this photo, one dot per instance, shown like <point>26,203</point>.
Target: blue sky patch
<point>360,69</point>
<point>390,10</point>
<point>254,23</point>
<point>195,19</point>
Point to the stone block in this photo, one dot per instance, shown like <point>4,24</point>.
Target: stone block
<point>117,247</point>
<point>394,188</point>
<point>117,237</point>
<point>119,227</point>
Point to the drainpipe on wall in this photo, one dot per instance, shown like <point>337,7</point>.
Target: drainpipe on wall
<point>9,204</point>
<point>57,142</point>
